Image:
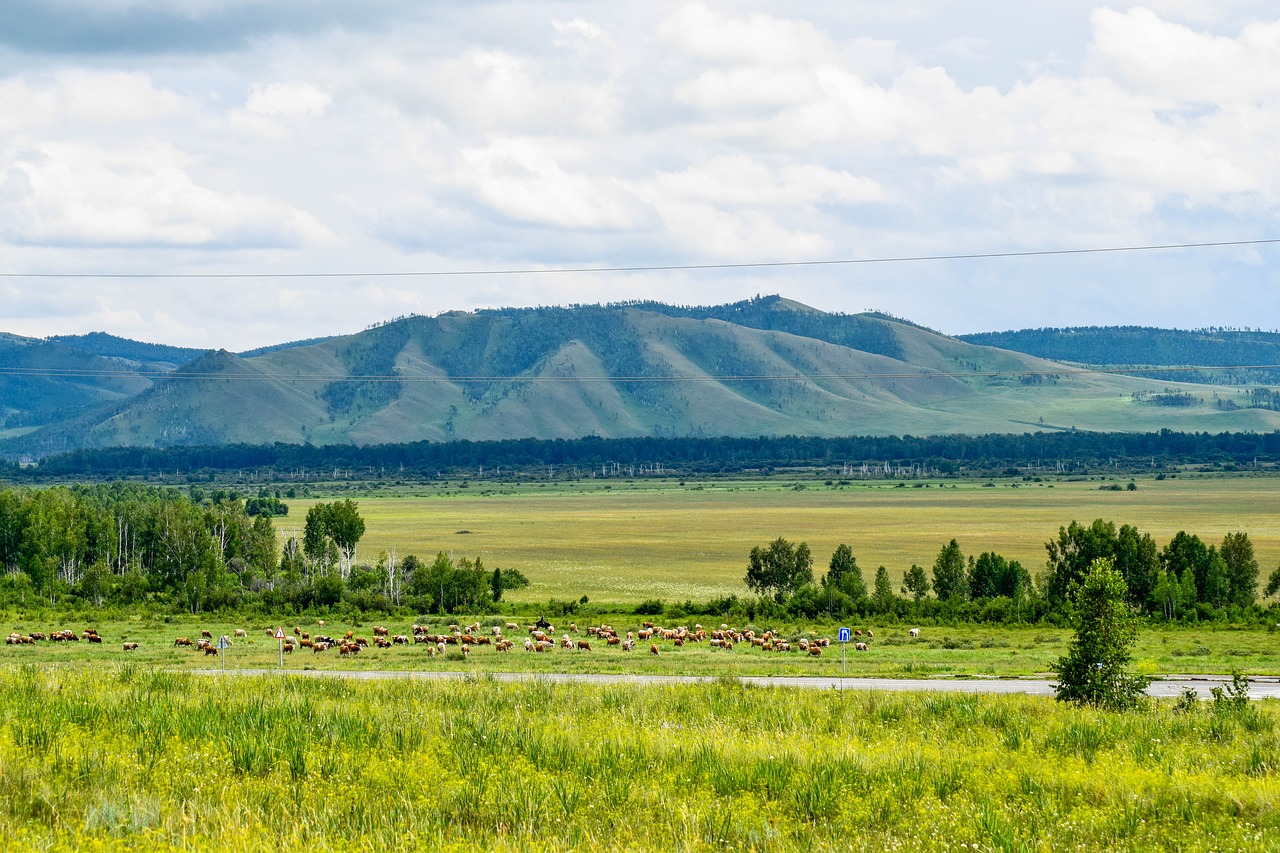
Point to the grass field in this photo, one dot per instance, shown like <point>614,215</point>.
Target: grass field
<point>128,758</point>
<point>624,542</point>
<point>940,651</point>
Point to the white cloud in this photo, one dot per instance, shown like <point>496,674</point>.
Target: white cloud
<point>532,133</point>
<point>33,102</point>
<point>80,195</point>
<point>1173,61</point>
<point>287,100</point>
<point>523,179</point>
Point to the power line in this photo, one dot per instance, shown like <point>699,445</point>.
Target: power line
<point>972,256</point>
<point>72,373</point>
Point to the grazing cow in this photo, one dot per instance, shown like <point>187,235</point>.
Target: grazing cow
<point>130,647</point>
<point>653,649</point>
<point>584,646</point>
<point>400,640</point>
<point>297,630</point>
<point>859,647</point>
<point>182,641</point>
<point>869,634</point>
<point>379,631</point>
<point>320,623</point>
<point>240,632</point>
<point>815,651</point>
<point>210,650</point>
<point>512,626</point>
<point>207,634</point>
<point>914,632</point>
<point>528,644</point>
<point>94,638</point>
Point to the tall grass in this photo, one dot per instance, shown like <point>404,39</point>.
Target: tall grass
<point>128,759</point>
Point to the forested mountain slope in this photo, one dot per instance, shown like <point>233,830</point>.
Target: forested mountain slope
<point>1249,356</point>
<point>43,382</point>
<point>762,367</point>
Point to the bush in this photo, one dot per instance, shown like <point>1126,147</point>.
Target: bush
<point>650,607</point>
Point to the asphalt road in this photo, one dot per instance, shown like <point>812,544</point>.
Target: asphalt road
<point>1267,687</point>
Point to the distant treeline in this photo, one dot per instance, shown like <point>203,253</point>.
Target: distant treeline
<point>1240,356</point>
<point>865,456</point>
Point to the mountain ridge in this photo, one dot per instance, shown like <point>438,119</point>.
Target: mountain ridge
<point>765,366</point>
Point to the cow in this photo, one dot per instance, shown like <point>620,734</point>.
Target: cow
<point>240,632</point>
<point>914,632</point>
<point>130,647</point>
<point>653,649</point>
<point>182,641</point>
<point>859,647</point>
<point>207,634</point>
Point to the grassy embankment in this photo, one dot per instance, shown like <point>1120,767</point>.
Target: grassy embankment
<point>126,758</point>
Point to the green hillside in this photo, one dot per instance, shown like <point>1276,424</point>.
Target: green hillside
<point>1241,356</point>
<point>762,367</point>
<point>43,382</point>
<point>109,346</point>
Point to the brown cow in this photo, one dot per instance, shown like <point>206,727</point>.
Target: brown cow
<point>130,647</point>
<point>653,649</point>
<point>182,641</point>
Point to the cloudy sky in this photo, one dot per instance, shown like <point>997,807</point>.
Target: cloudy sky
<point>181,138</point>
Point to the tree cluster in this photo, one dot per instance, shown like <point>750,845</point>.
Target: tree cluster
<point>1186,579</point>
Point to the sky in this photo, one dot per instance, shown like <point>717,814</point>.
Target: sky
<point>177,171</point>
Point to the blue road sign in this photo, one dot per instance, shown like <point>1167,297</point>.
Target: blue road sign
<point>844,635</point>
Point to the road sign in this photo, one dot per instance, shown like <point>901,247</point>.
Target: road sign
<point>223,642</point>
<point>279,633</point>
<point>844,635</point>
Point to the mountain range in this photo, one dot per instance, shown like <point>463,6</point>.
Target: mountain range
<point>765,366</point>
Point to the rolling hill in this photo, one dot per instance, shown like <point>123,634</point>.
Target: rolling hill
<point>766,366</point>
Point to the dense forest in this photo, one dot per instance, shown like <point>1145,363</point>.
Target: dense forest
<point>197,550</point>
<point>1241,356</point>
<point>855,456</point>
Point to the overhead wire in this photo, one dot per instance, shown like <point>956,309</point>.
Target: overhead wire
<point>968,256</point>
<point>179,374</point>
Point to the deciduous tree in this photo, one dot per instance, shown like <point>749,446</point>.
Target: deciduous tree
<point>779,569</point>
<point>1093,671</point>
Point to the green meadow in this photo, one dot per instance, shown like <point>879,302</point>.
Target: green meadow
<point>130,758</point>
<point>623,541</point>
<point>940,651</point>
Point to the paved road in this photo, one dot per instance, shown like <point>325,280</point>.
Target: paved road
<point>1267,687</point>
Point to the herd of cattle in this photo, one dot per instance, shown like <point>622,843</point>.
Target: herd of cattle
<point>539,637</point>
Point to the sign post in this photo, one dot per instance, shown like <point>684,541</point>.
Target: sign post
<point>223,645</point>
<point>844,645</point>
<point>280,637</point>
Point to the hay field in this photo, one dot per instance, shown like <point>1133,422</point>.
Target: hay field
<point>624,542</point>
